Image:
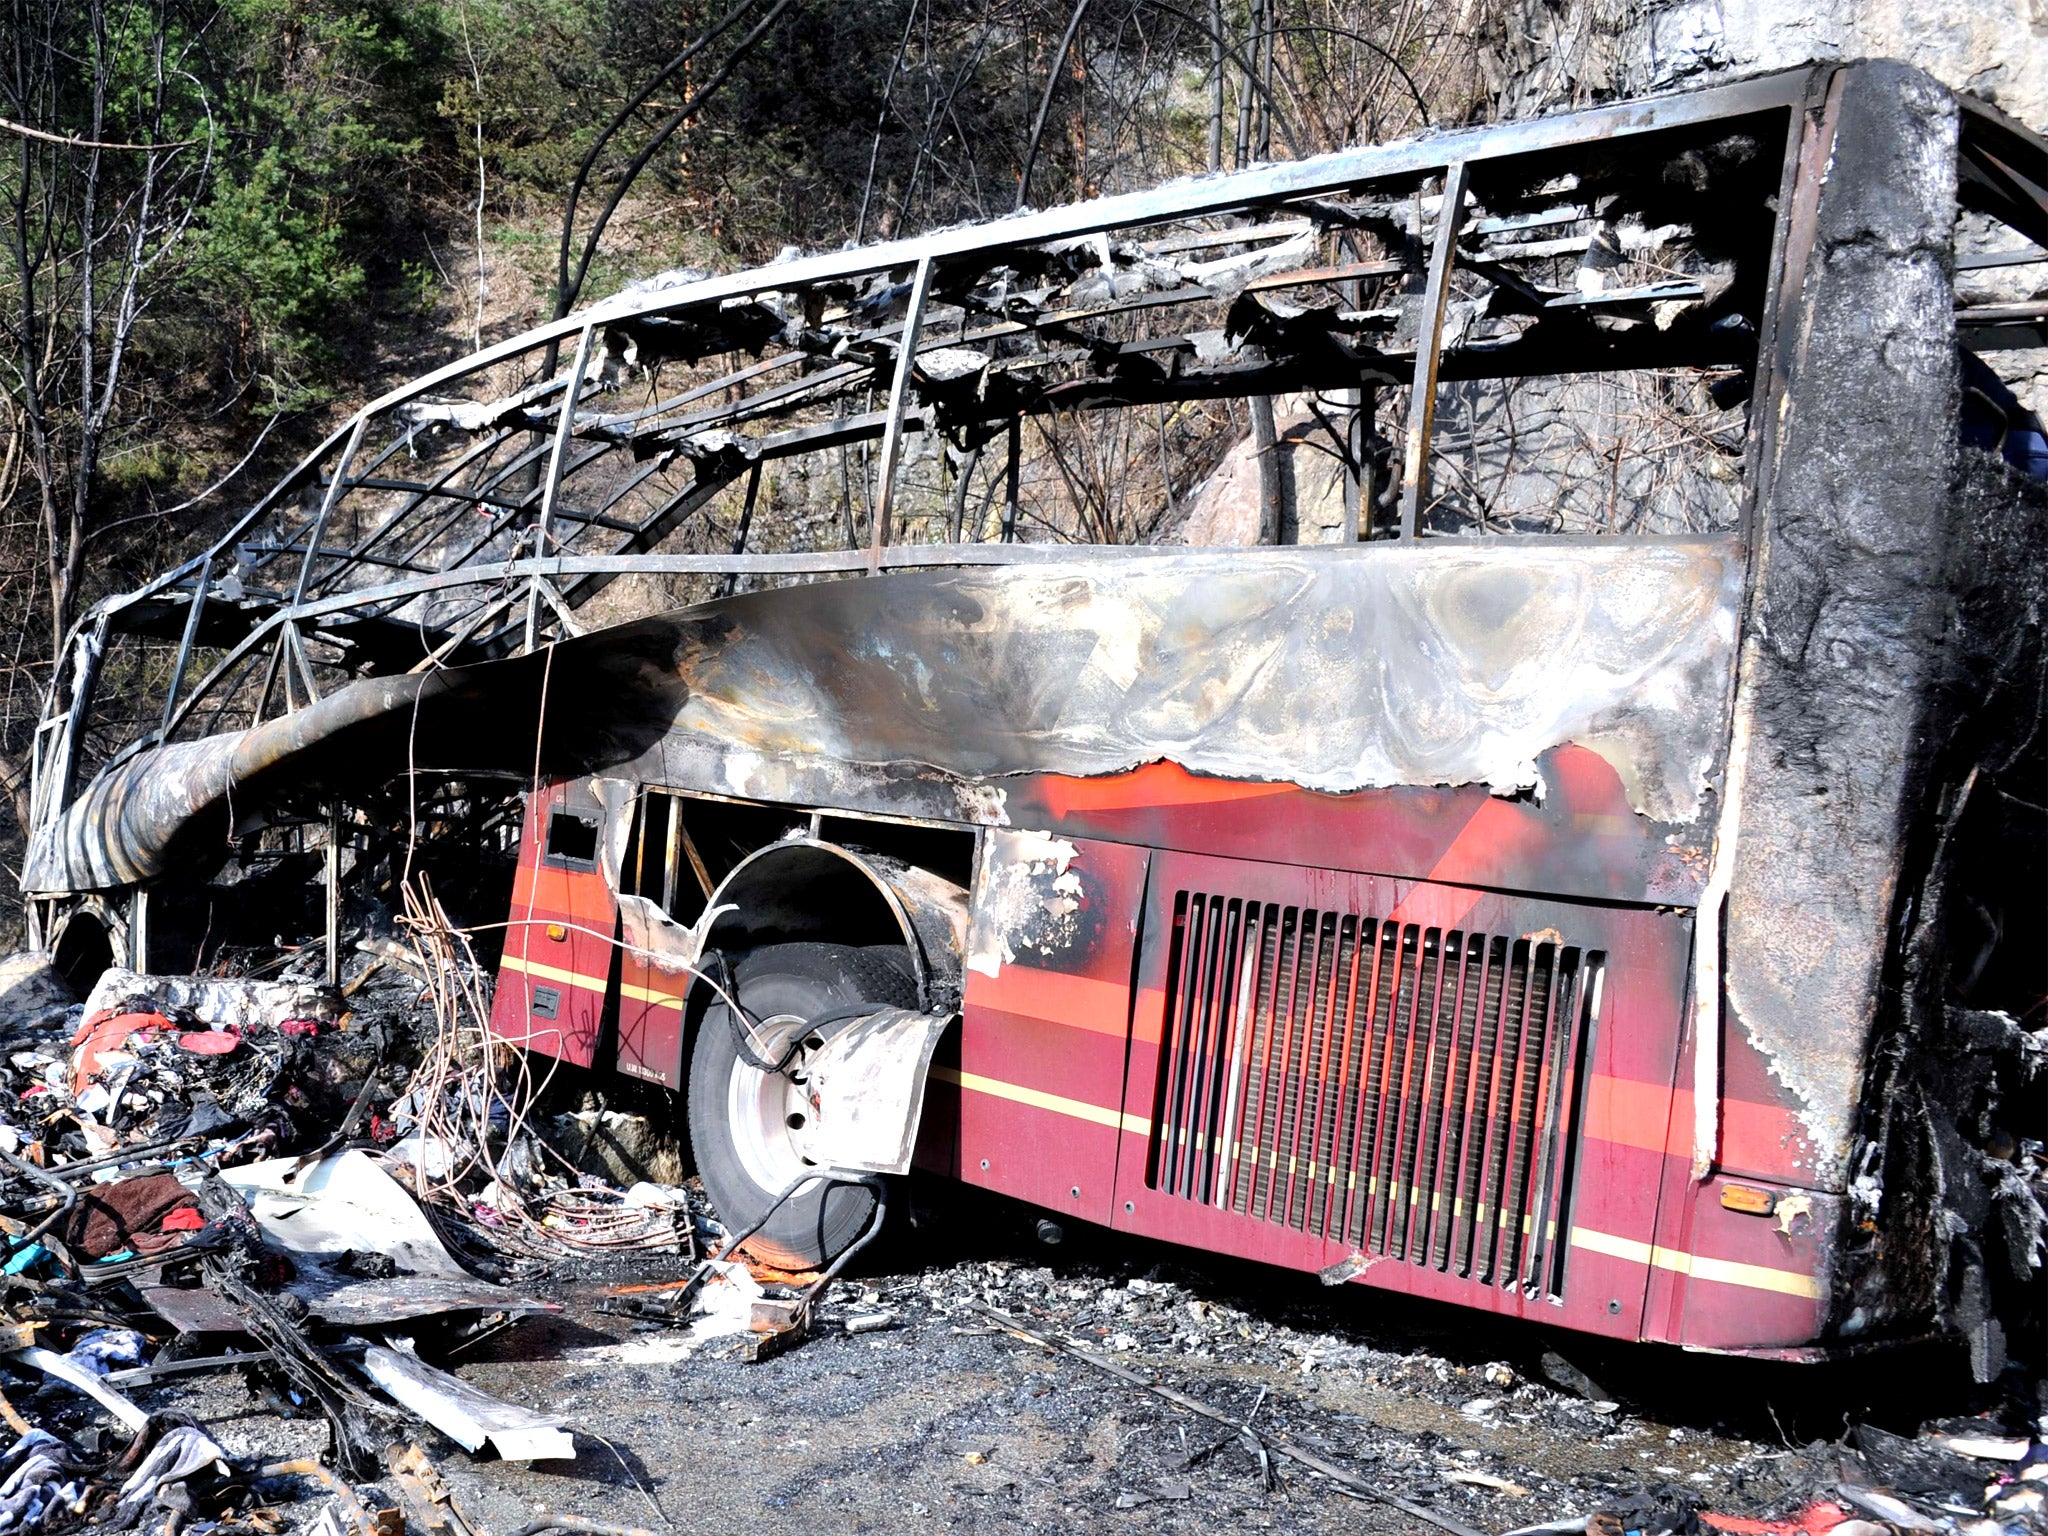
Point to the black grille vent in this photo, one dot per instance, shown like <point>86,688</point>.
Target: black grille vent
<point>1410,1092</point>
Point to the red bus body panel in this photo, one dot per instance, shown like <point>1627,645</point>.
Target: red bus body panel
<point>1042,1048</point>
<point>651,1005</point>
<point>1058,1086</point>
<point>1616,1183</point>
<point>553,979</point>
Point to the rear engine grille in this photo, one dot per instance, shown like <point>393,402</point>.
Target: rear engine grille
<point>1410,1092</point>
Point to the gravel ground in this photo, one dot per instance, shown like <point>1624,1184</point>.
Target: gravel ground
<point>942,1422</point>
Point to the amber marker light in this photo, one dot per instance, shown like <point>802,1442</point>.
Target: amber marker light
<point>1751,1202</point>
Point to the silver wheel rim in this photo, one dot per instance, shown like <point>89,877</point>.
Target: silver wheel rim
<point>760,1105</point>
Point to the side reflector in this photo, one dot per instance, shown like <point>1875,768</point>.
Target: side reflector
<point>558,933</point>
<point>1751,1202</point>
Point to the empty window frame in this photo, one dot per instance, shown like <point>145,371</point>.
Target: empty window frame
<point>571,839</point>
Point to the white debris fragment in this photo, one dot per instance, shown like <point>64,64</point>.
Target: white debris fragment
<point>1029,898</point>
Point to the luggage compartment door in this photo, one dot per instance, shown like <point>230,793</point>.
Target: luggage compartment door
<point>1035,1071</point>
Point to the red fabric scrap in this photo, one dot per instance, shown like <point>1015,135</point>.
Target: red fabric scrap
<point>1815,1520</point>
<point>209,1042</point>
<point>305,1027</point>
<point>185,1218</point>
<point>104,1033</point>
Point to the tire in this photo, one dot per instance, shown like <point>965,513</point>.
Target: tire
<point>733,1105</point>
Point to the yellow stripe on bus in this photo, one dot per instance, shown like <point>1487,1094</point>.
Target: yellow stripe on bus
<point>1076,1109</point>
<point>1756,1277</point>
<point>590,983</point>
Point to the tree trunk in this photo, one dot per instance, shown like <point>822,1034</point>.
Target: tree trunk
<point>1273,517</point>
<point>1215,85</point>
<point>1249,89</point>
<point>14,784</point>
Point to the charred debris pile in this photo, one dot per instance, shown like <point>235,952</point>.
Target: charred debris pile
<point>323,1188</point>
<point>335,1191</point>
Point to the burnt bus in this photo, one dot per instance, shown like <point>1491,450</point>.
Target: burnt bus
<point>1584,861</point>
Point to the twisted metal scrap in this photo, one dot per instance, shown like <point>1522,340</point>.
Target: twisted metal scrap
<point>357,1423</point>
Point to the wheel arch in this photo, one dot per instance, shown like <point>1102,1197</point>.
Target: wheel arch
<point>806,889</point>
<point>86,939</point>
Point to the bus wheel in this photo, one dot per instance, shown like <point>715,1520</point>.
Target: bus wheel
<point>743,1119</point>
